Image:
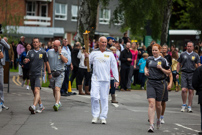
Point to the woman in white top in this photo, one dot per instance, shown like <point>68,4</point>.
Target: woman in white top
<point>82,72</point>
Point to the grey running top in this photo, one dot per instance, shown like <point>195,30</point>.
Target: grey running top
<point>188,61</point>
<point>55,61</point>
<point>154,72</point>
<point>37,60</point>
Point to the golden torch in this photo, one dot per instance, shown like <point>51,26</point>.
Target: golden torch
<point>86,42</point>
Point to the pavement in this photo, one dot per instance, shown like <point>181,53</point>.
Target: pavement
<point>128,117</point>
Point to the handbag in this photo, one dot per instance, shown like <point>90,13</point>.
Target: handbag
<point>56,73</point>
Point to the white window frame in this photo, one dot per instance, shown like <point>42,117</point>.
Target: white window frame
<point>44,4</point>
<point>32,8</point>
<point>61,14</point>
<point>74,15</point>
<point>101,20</point>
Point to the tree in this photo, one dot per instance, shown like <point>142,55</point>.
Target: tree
<point>87,17</point>
<point>137,14</point>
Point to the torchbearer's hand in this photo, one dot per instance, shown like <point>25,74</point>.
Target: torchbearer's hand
<point>86,55</point>
<point>116,84</point>
<point>49,77</point>
<point>177,76</point>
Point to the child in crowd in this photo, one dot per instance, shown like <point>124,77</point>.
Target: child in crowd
<point>142,64</point>
<point>174,70</point>
<point>112,88</point>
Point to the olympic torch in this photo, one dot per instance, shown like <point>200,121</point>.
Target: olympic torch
<point>86,42</point>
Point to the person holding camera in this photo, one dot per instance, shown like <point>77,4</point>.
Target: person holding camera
<point>57,59</point>
<point>3,45</point>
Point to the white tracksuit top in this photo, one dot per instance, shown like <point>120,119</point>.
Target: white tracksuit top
<point>102,63</point>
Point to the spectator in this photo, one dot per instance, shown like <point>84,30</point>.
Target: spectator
<point>172,48</point>
<point>197,85</point>
<point>126,59</point>
<point>25,67</point>
<point>20,50</point>
<point>174,70</point>
<point>142,64</point>
<point>200,47</point>
<point>121,42</point>
<point>134,53</point>
<point>125,38</point>
<point>118,49</point>
<point>82,72</point>
<point>201,57</point>
<point>9,52</point>
<point>109,43</point>
<point>149,48</point>
<point>15,56</point>
<point>66,43</point>
<point>75,62</point>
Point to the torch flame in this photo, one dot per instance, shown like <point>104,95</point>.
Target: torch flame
<point>87,31</point>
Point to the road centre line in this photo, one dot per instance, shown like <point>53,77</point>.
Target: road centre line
<point>186,127</point>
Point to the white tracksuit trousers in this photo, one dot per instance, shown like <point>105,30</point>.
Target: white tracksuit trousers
<point>99,92</point>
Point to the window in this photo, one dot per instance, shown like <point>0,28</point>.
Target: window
<point>60,11</point>
<point>104,16</point>
<point>74,12</point>
<point>119,20</point>
<point>31,8</point>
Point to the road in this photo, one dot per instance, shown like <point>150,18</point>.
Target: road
<point>129,117</point>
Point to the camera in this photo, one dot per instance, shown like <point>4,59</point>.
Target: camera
<point>0,29</point>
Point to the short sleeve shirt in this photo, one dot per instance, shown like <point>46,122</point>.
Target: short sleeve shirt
<point>188,61</point>
<point>37,60</point>
<point>154,72</point>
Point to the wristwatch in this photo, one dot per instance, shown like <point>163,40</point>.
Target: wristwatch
<point>60,54</point>
<point>49,73</point>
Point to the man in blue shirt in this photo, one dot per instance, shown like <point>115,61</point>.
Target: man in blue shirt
<point>64,88</point>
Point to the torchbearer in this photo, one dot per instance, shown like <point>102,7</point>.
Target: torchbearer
<point>103,60</point>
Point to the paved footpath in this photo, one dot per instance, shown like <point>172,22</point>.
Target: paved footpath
<point>129,117</point>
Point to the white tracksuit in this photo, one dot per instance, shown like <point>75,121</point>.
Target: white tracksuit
<point>102,63</point>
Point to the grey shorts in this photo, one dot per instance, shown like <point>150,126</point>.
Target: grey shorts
<point>186,80</point>
<point>156,89</point>
<point>57,81</point>
<point>165,96</point>
<point>35,81</point>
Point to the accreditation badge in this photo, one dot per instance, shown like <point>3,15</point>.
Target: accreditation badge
<point>40,56</point>
<point>159,63</point>
<point>106,55</point>
<point>193,58</point>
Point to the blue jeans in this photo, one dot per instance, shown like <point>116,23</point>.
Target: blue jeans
<point>65,82</point>
<point>142,78</point>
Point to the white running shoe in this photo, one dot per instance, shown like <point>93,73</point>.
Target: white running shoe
<point>183,108</point>
<point>162,121</point>
<point>5,107</point>
<point>27,87</point>
<point>189,109</point>
<point>103,121</point>
<point>94,120</point>
<point>158,123</point>
<point>151,129</point>
<point>40,109</point>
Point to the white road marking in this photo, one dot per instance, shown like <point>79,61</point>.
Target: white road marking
<point>186,127</point>
<point>52,125</point>
<point>176,128</point>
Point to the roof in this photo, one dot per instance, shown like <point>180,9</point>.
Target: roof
<point>28,31</point>
<point>184,32</point>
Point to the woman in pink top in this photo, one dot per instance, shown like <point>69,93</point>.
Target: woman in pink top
<point>134,52</point>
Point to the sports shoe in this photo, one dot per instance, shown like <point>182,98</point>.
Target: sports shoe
<point>32,110</point>
<point>94,120</point>
<point>27,87</point>
<point>40,109</point>
<point>23,82</point>
<point>56,107</point>
<point>60,104</point>
<point>162,121</point>
<point>158,123</point>
<point>142,88</point>
<point>189,109</point>
<point>183,108</point>
<point>103,121</point>
<point>151,129</point>
<point>5,107</point>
